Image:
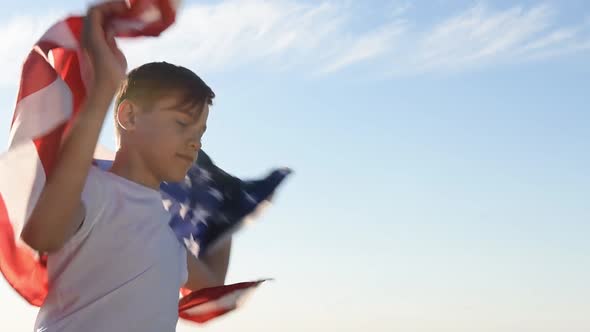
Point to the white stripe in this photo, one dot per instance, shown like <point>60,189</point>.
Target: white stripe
<point>126,25</point>
<point>226,302</point>
<point>61,35</point>
<point>39,51</point>
<point>21,180</point>
<point>40,112</point>
<point>50,58</point>
<point>151,14</point>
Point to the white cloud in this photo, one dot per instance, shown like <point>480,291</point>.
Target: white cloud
<point>365,47</point>
<point>326,37</point>
<point>284,33</point>
<point>319,37</point>
<point>481,36</point>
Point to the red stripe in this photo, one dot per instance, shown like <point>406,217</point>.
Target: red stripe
<point>168,17</point>
<point>21,269</point>
<point>35,66</point>
<point>205,316</point>
<point>75,24</point>
<point>48,147</point>
<point>209,294</point>
<point>67,65</point>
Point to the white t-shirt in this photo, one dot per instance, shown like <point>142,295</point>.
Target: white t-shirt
<point>122,270</point>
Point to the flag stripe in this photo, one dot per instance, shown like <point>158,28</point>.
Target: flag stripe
<point>54,101</point>
<point>30,179</point>
<point>203,317</point>
<point>34,66</point>
<point>214,293</point>
<point>18,263</point>
<point>64,34</point>
<point>21,269</point>
<point>227,302</point>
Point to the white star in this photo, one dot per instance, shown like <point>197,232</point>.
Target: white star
<point>167,204</point>
<point>250,197</point>
<point>223,218</point>
<point>192,245</point>
<point>205,175</point>
<point>187,181</point>
<point>183,210</point>
<point>199,215</point>
<point>216,193</point>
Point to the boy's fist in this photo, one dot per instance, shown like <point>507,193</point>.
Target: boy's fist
<point>107,62</point>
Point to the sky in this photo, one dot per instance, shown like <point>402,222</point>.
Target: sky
<point>440,151</point>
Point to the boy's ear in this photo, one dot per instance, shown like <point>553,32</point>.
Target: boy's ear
<point>126,113</point>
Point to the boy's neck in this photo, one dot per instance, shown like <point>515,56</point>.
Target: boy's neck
<point>129,166</point>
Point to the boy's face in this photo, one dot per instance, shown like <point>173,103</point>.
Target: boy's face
<point>168,137</point>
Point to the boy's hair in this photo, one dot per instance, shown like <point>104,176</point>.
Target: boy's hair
<point>150,82</point>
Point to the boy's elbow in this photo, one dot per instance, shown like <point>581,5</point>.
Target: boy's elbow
<point>215,279</point>
<point>218,281</point>
<point>195,283</point>
<point>39,240</point>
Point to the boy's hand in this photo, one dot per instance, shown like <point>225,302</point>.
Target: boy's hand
<point>107,61</point>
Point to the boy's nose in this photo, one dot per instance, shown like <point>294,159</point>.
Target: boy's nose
<point>195,145</point>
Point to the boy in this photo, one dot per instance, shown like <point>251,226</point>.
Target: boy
<point>114,264</point>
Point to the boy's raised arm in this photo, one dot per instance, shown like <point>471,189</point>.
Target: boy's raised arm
<point>59,210</point>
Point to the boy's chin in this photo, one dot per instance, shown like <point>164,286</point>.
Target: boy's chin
<point>176,177</point>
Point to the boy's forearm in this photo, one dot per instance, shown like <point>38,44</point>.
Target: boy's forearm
<point>218,260</point>
<point>210,270</point>
<point>51,220</point>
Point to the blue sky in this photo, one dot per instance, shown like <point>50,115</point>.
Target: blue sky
<point>440,151</point>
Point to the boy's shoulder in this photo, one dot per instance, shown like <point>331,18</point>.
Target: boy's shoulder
<point>98,185</point>
<point>114,200</point>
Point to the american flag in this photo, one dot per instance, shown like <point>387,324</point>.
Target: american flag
<point>209,205</point>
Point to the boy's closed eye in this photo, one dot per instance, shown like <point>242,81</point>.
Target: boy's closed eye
<point>181,123</point>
